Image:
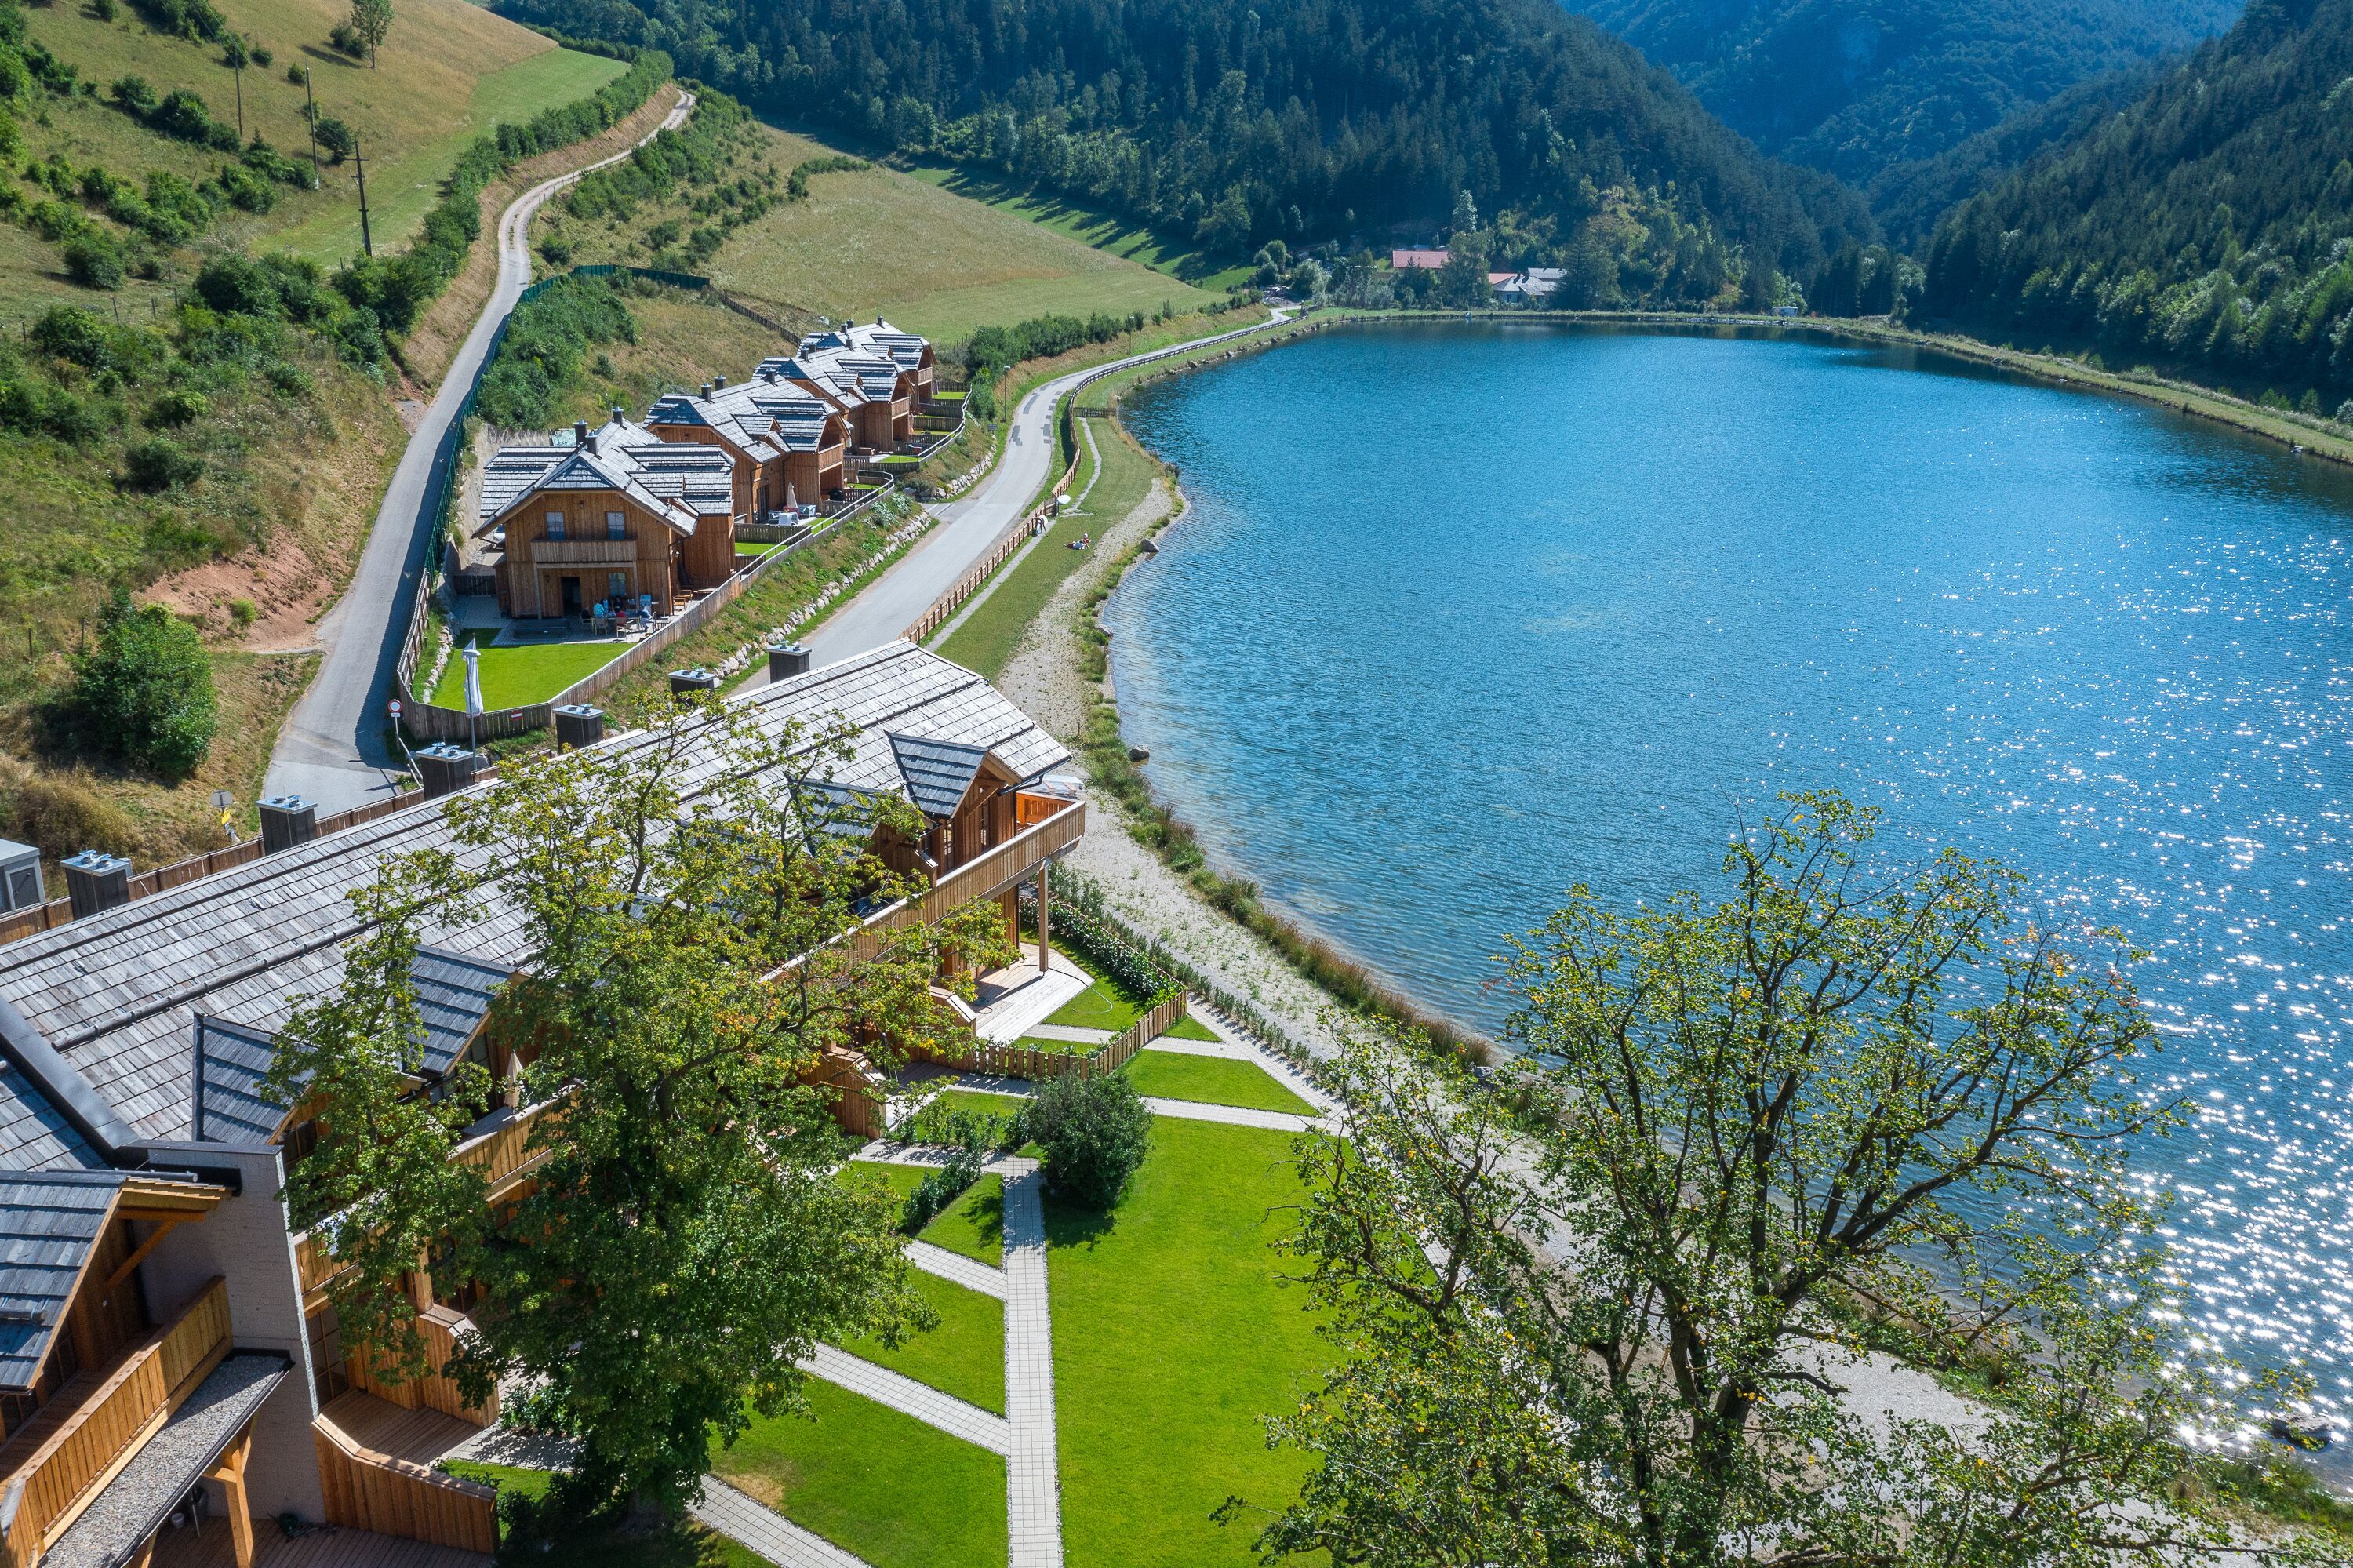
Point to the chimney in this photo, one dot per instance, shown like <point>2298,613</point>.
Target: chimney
<point>617,414</point>
<point>286,821</point>
<point>787,659</point>
<point>446,767</point>
<point>685,681</point>
<point>96,882</point>
<point>720,382</point>
<point>706,391</point>
<point>578,725</point>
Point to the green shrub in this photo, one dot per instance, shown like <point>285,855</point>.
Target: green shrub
<point>143,695</point>
<point>174,409</point>
<point>335,138</point>
<point>546,340</point>
<point>1094,1131</point>
<point>94,261</point>
<point>244,612</point>
<point>938,1189</point>
<point>159,464</point>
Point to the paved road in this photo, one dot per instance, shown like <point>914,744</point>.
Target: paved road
<point>333,751</point>
<point>967,525</point>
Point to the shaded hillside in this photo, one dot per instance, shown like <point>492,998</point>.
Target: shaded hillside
<point>1853,85</point>
<point>1237,121</point>
<point>2206,227</point>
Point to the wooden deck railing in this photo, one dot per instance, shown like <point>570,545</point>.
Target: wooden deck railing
<point>1029,1062</point>
<point>47,1491</point>
<point>984,876</point>
<point>370,1490</point>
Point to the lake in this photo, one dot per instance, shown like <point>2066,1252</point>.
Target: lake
<point>1462,615</point>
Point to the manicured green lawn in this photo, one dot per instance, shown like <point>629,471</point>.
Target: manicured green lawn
<point>982,1100</point>
<point>987,639</point>
<point>1218,1080</point>
<point>975,1224</point>
<point>515,677</point>
<point>1191,1028</point>
<point>687,1546</point>
<point>1172,1335</point>
<point>879,1484</point>
<point>1059,1047</point>
<point>964,1356</point>
<point>1104,1004</point>
<point>902,1179</point>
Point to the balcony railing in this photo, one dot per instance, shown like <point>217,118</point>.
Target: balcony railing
<point>984,876</point>
<point>47,1491</point>
<point>583,552</point>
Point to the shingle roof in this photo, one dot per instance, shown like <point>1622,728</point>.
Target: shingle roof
<point>49,1221</point>
<point>679,481</point>
<point>230,1105</point>
<point>116,995</point>
<point>937,772</point>
<point>454,994</point>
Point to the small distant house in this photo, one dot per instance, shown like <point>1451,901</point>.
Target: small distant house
<point>619,514</point>
<point>876,392</point>
<point>1785,310</point>
<point>1533,287</point>
<point>788,446</point>
<point>909,351</point>
<point>1413,260</point>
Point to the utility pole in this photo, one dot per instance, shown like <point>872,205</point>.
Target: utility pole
<point>365,243</point>
<point>237,65</point>
<point>310,118</point>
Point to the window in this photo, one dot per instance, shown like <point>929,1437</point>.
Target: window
<point>616,525</point>
<point>555,524</point>
<point>617,585</point>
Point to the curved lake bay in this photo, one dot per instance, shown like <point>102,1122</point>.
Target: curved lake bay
<point>1463,615</point>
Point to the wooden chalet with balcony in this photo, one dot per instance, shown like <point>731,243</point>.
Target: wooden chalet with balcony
<point>168,1343</point>
<point>875,393</point>
<point>910,353</point>
<point>620,514</point>
<point>789,447</point>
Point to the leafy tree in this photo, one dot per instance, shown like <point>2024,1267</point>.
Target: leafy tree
<point>683,1247</point>
<point>335,139</point>
<point>371,23</point>
<point>1612,1305</point>
<point>143,695</point>
<point>1094,1131</point>
<point>1226,226</point>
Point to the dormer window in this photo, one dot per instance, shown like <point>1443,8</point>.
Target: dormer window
<point>555,524</point>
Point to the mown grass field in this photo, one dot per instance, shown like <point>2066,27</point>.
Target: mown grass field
<point>1121,236</point>
<point>1214,1080</point>
<point>879,241</point>
<point>513,677</point>
<point>684,1545</point>
<point>965,1355</point>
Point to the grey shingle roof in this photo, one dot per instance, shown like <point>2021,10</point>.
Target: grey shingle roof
<point>937,772</point>
<point>116,995</point>
<point>677,480</point>
<point>49,1221</point>
<point>230,1105</point>
<point>454,994</point>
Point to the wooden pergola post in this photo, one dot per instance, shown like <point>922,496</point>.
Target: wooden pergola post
<point>230,1473</point>
<point>1044,919</point>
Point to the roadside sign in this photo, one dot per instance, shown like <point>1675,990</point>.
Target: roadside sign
<point>223,799</point>
<point>396,710</point>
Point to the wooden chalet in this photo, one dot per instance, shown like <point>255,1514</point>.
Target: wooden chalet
<point>875,393</point>
<point>168,1344</point>
<point>789,447</point>
<point>620,514</point>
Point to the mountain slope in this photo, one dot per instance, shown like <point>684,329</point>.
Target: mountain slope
<point>1853,85</point>
<point>2208,225</point>
<point>1238,122</point>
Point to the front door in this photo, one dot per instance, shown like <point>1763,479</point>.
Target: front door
<point>570,595</point>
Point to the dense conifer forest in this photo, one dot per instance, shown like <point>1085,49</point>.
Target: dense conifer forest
<point>1857,86</point>
<point>1233,122</point>
<point>2206,227</point>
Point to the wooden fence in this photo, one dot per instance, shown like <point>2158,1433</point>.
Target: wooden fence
<point>1029,1062</point>
<point>370,1490</point>
<point>49,1490</point>
<point>147,883</point>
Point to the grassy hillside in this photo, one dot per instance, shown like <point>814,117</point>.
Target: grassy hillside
<point>449,71</point>
<point>876,240</point>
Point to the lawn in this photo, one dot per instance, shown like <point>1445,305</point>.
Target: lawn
<point>1214,1080</point>
<point>515,677</point>
<point>686,1546</point>
<point>975,1224</point>
<point>879,240</point>
<point>1171,1336</point>
<point>988,637</point>
<point>964,1356</point>
<point>1105,231</point>
<point>1104,1004</point>
<point>1191,1028</point>
<point>885,1486</point>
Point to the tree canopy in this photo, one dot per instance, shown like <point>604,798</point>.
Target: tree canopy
<point>681,1246</point>
<point>1618,1302</point>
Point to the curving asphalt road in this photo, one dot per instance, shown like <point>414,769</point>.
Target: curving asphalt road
<point>333,751</point>
<point>968,525</point>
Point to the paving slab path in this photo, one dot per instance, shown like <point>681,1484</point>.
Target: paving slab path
<point>766,1532</point>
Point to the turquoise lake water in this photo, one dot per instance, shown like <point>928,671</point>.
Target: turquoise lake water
<point>1463,615</point>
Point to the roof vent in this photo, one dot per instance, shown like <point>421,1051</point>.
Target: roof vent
<point>617,414</point>
<point>787,659</point>
<point>97,882</point>
<point>580,435</point>
<point>445,768</point>
<point>720,382</point>
<point>286,821</point>
<point>578,725</point>
<point>687,683</point>
<point>706,391</point>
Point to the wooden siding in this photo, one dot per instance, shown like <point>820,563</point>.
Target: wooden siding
<point>209,1546</point>
<point>531,571</point>
<point>367,1489</point>
<point>440,1329</point>
<point>984,877</point>
<point>55,1468</point>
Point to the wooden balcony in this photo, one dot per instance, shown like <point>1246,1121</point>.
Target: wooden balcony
<point>368,1489</point>
<point>59,1462</point>
<point>985,875</point>
<point>583,552</point>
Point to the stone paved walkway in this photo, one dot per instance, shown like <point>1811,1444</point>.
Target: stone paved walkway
<point>956,1268</point>
<point>1236,1115</point>
<point>764,1530</point>
<point>905,1395</point>
<point>1033,1491</point>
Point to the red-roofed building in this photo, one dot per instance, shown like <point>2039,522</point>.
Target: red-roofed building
<point>1422,260</point>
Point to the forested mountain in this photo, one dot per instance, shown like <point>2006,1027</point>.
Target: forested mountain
<point>1237,121</point>
<point>2208,225</point>
<point>1854,86</point>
